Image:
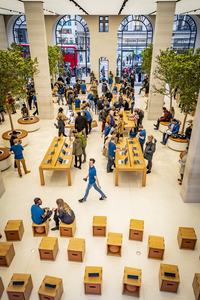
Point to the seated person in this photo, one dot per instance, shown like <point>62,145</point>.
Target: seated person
<point>166,117</point>
<point>39,215</point>
<point>63,213</point>
<point>173,128</point>
<point>24,111</point>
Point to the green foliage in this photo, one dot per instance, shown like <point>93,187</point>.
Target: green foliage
<point>146,59</point>
<point>14,72</point>
<point>56,63</point>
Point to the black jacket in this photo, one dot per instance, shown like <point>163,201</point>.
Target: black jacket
<point>80,123</point>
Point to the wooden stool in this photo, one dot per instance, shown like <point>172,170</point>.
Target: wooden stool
<point>93,280</point>
<point>132,282</point>
<point>114,244</point>
<point>196,286</point>
<point>51,288</point>
<point>1,287</point>
<point>67,229</point>
<point>41,229</point>
<point>186,238</point>
<point>169,278</point>
<point>20,287</point>
<point>99,226</point>
<point>136,230</point>
<point>14,230</point>
<point>48,248</point>
<point>76,249</point>
<point>7,253</point>
<point>156,247</point>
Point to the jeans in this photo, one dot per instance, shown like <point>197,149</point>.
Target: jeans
<point>60,98</point>
<point>149,165</point>
<point>165,138</point>
<point>111,162</point>
<point>94,185</point>
<point>142,146</point>
<point>89,126</point>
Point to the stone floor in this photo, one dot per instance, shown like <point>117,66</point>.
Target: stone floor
<point>159,204</point>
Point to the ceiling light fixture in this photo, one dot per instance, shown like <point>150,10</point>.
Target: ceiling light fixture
<point>77,5</point>
<point>122,7</point>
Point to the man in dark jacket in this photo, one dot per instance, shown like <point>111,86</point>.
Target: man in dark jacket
<point>149,151</point>
<point>81,123</point>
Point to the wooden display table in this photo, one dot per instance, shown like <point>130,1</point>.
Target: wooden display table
<point>30,124</point>
<point>132,281</point>
<point>67,229</point>
<point>156,247</point>
<point>114,244</point>
<point>5,158</point>
<point>14,230</point>
<point>177,144</point>
<point>1,287</point>
<point>40,229</point>
<point>48,248</point>
<point>93,280</point>
<point>21,134</point>
<point>186,238</point>
<point>20,287</point>
<point>134,159</point>
<point>99,226</point>
<point>136,230</point>
<point>196,286</point>
<point>7,253</point>
<point>128,124</point>
<point>163,126</point>
<point>57,158</point>
<point>169,278</point>
<point>51,288</point>
<point>76,249</point>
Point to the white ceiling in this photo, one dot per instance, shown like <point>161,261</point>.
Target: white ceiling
<point>99,7</point>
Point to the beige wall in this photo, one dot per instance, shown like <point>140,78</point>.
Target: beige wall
<point>103,44</point>
<point>3,35</point>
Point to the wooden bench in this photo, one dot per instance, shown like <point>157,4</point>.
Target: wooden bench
<point>163,126</point>
<point>5,158</point>
<point>177,144</point>
<point>21,134</point>
<point>30,124</point>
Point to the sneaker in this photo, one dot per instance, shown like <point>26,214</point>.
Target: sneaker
<point>55,228</point>
<point>148,172</point>
<point>162,143</point>
<point>102,198</point>
<point>20,175</point>
<point>75,166</point>
<point>79,167</point>
<point>27,172</point>
<point>81,200</point>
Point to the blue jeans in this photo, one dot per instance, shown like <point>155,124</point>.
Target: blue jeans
<point>94,185</point>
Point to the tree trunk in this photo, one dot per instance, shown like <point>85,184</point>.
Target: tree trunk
<point>10,118</point>
<point>183,126</point>
<point>171,98</point>
<point>27,107</point>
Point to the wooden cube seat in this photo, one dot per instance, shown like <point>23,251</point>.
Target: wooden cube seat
<point>51,288</point>
<point>156,247</point>
<point>132,282</point>
<point>93,280</point>
<point>7,253</point>
<point>186,238</point>
<point>14,230</point>
<point>76,249</point>
<point>196,286</point>
<point>1,287</point>
<point>40,229</point>
<point>169,278</point>
<point>67,230</point>
<point>114,244</point>
<point>99,225</point>
<point>136,230</point>
<point>20,291</point>
<point>48,248</point>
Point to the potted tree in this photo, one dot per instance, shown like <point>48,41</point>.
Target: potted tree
<point>146,60</point>
<point>14,71</point>
<point>56,62</point>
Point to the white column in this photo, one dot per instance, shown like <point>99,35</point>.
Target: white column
<point>3,35</point>
<point>191,181</point>
<point>38,48</point>
<point>162,40</point>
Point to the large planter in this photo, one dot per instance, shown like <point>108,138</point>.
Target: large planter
<point>5,158</point>
<point>163,126</point>
<point>21,134</point>
<point>177,144</point>
<point>30,124</point>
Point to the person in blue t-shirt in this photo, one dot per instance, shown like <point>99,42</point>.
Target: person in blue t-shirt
<point>83,87</point>
<point>92,182</point>
<point>142,137</point>
<point>106,131</point>
<point>77,103</point>
<point>39,215</point>
<point>89,119</point>
<point>133,132</point>
<point>17,149</point>
<point>111,155</point>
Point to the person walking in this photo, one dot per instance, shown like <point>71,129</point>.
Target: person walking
<point>111,155</point>
<point>77,150</point>
<point>149,151</point>
<point>92,182</point>
<point>17,149</point>
<point>182,161</point>
<point>63,213</point>
<point>81,123</point>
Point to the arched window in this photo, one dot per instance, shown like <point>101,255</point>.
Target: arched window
<point>184,32</point>
<point>20,31</point>
<point>134,35</point>
<point>72,35</point>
